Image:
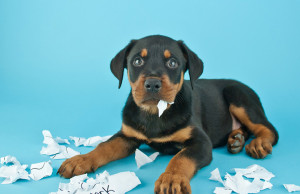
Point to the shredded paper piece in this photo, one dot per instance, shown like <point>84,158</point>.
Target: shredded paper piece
<point>291,187</point>
<point>61,141</point>
<point>17,171</point>
<point>162,106</point>
<point>13,172</point>
<point>53,148</point>
<point>255,171</point>
<point>142,159</point>
<point>222,190</point>
<point>40,170</point>
<point>92,141</point>
<point>215,176</point>
<point>119,183</point>
<point>238,184</point>
<point>9,159</point>
<point>65,152</point>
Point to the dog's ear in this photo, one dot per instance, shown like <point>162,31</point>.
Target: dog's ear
<point>119,62</point>
<point>194,64</point>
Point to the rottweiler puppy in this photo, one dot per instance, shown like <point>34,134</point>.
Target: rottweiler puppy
<point>206,113</point>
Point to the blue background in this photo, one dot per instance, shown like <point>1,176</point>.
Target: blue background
<point>54,74</point>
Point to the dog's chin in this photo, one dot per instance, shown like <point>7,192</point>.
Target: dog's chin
<point>151,102</point>
<point>149,105</point>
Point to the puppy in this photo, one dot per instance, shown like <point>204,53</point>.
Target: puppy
<point>206,113</point>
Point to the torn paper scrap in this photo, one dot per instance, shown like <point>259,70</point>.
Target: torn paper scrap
<point>53,148</point>
<point>267,185</point>
<point>162,106</point>
<point>82,184</point>
<point>76,183</point>
<point>52,145</point>
<point>40,170</point>
<point>48,138</point>
<point>291,187</point>
<point>123,181</point>
<point>9,159</point>
<point>238,184</point>
<point>222,190</point>
<point>215,176</point>
<point>255,171</point>
<point>61,141</point>
<point>92,141</point>
<point>65,152</point>
<point>142,159</point>
<point>119,183</point>
<point>53,142</point>
<point>13,172</point>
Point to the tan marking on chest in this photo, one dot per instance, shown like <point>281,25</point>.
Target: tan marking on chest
<point>130,132</point>
<point>179,136</point>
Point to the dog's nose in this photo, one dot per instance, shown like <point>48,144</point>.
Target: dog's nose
<point>152,85</point>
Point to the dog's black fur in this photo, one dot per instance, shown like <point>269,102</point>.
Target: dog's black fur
<point>205,106</point>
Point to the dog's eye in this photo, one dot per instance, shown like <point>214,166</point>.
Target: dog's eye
<point>138,61</point>
<point>172,63</point>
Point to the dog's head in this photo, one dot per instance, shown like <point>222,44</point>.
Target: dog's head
<point>156,66</point>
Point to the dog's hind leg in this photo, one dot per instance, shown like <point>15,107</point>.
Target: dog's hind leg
<point>245,105</point>
<point>236,140</point>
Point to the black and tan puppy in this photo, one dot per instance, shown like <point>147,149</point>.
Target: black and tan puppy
<point>205,114</point>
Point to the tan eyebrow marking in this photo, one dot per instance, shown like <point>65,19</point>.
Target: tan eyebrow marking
<point>167,54</point>
<point>144,52</point>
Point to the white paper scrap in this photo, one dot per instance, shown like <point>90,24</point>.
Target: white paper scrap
<point>222,190</point>
<point>267,185</point>
<point>119,183</point>
<point>215,176</point>
<point>142,159</point>
<point>92,141</point>
<point>162,106</point>
<point>13,172</point>
<point>52,145</point>
<point>255,171</point>
<point>40,170</point>
<point>60,140</point>
<point>123,182</point>
<point>65,152</point>
<point>238,184</point>
<point>53,148</point>
<point>291,187</point>
<point>9,159</point>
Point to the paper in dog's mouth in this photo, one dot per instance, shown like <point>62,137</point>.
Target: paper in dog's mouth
<point>162,106</point>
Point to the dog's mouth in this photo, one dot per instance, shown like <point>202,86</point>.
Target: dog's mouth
<point>151,100</point>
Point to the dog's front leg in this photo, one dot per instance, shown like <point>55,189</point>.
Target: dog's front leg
<point>183,166</point>
<point>117,147</point>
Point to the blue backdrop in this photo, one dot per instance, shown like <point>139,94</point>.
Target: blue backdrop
<point>54,74</point>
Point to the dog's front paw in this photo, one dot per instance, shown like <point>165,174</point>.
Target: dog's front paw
<point>259,148</point>
<point>173,184</point>
<point>77,165</point>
